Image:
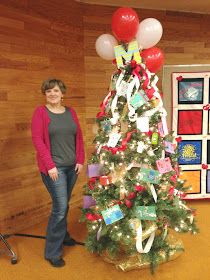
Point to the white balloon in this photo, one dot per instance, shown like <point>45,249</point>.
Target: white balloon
<point>149,33</point>
<point>105,46</point>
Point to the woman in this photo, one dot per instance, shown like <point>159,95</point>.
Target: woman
<point>57,138</point>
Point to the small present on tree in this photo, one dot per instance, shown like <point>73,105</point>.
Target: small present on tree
<point>94,170</point>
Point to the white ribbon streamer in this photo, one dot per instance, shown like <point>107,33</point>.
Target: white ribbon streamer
<point>98,235</point>
<point>165,232</point>
<point>132,113</point>
<point>133,165</point>
<point>139,245</point>
<point>154,194</point>
<point>115,115</point>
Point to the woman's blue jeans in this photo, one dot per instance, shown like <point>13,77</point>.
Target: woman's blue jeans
<point>60,192</point>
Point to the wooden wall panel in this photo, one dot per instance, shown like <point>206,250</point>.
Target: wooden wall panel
<point>45,38</point>
<point>38,39</point>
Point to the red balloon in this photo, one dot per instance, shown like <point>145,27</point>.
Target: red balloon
<point>125,23</point>
<point>153,58</point>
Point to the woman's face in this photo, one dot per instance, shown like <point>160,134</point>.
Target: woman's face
<point>54,95</point>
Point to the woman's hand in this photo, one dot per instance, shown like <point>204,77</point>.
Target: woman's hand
<point>78,168</point>
<point>53,173</point>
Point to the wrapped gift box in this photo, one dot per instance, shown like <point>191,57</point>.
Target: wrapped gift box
<point>94,170</point>
<point>105,180</point>
<point>88,201</point>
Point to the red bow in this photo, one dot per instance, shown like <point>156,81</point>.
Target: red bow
<point>136,70</point>
<point>204,166</point>
<point>123,145</point>
<point>179,78</point>
<point>206,107</point>
<point>178,139</point>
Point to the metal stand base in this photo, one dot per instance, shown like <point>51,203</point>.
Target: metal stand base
<point>11,252</point>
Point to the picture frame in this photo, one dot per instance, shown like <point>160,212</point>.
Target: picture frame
<point>186,91</point>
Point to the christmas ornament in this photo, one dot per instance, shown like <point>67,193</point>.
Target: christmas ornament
<point>140,188</point>
<point>131,195</point>
<point>128,203</point>
<point>93,217</point>
<point>154,139</point>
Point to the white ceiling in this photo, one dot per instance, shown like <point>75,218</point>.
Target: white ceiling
<point>195,6</point>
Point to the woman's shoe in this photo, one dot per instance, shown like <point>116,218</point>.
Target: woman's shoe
<point>69,242</point>
<point>57,262</point>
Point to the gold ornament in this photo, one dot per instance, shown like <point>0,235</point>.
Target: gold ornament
<point>118,174</point>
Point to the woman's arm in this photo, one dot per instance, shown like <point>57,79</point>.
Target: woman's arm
<point>37,131</point>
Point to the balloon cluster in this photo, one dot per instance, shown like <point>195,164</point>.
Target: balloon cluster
<point>126,27</point>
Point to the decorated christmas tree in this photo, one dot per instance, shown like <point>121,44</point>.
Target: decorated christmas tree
<point>134,197</point>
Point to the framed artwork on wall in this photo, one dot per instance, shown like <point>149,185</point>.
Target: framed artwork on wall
<point>186,91</point>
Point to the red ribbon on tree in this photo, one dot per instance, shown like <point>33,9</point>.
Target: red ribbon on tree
<point>91,182</point>
<point>150,92</point>
<point>136,72</point>
<point>123,145</point>
<point>104,103</point>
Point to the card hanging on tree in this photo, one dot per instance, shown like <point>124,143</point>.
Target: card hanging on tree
<point>146,213</point>
<point>106,126</point>
<point>169,147</point>
<point>112,215</point>
<point>150,175</point>
<point>123,89</point>
<point>138,99</point>
<point>142,124</point>
<point>113,139</point>
<point>164,165</point>
<point>160,129</point>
